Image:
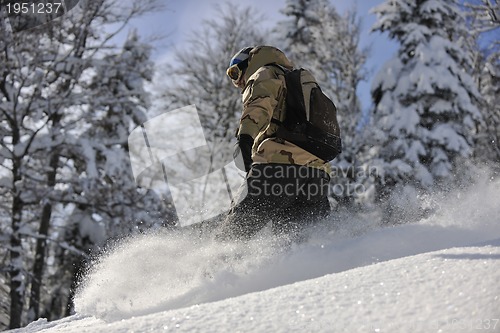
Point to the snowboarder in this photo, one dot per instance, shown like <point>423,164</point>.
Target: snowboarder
<point>285,184</point>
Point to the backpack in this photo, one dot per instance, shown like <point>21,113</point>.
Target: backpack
<point>310,120</point>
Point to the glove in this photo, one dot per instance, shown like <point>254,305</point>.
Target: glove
<point>243,152</point>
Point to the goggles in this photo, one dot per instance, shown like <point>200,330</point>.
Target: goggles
<point>235,72</point>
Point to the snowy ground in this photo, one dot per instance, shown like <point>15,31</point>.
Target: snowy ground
<point>438,275</point>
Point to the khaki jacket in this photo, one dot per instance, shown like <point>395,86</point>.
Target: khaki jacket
<point>264,98</point>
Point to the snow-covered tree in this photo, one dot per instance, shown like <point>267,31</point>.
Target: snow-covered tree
<point>484,25</point>
<point>486,14</point>
<point>425,100</point>
<point>315,36</point>
<point>117,102</point>
<point>52,94</point>
<point>197,75</point>
<point>306,22</point>
<point>490,131</point>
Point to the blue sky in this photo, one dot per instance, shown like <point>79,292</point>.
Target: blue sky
<point>180,18</point>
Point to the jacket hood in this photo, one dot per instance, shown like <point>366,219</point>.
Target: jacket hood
<point>264,55</point>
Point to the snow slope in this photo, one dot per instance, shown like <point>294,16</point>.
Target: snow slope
<point>448,290</point>
<point>438,275</point>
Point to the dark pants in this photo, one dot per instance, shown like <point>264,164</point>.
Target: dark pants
<point>289,196</point>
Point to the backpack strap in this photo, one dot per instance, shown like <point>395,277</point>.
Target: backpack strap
<point>282,101</point>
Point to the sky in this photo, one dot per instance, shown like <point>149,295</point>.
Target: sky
<point>181,18</point>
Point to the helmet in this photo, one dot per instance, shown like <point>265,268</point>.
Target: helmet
<point>241,56</point>
<point>238,65</point>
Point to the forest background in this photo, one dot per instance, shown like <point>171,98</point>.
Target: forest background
<point>72,90</point>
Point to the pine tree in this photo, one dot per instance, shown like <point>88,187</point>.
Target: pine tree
<point>490,89</point>
<point>484,25</point>
<point>425,100</point>
<point>310,39</point>
<point>316,37</point>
